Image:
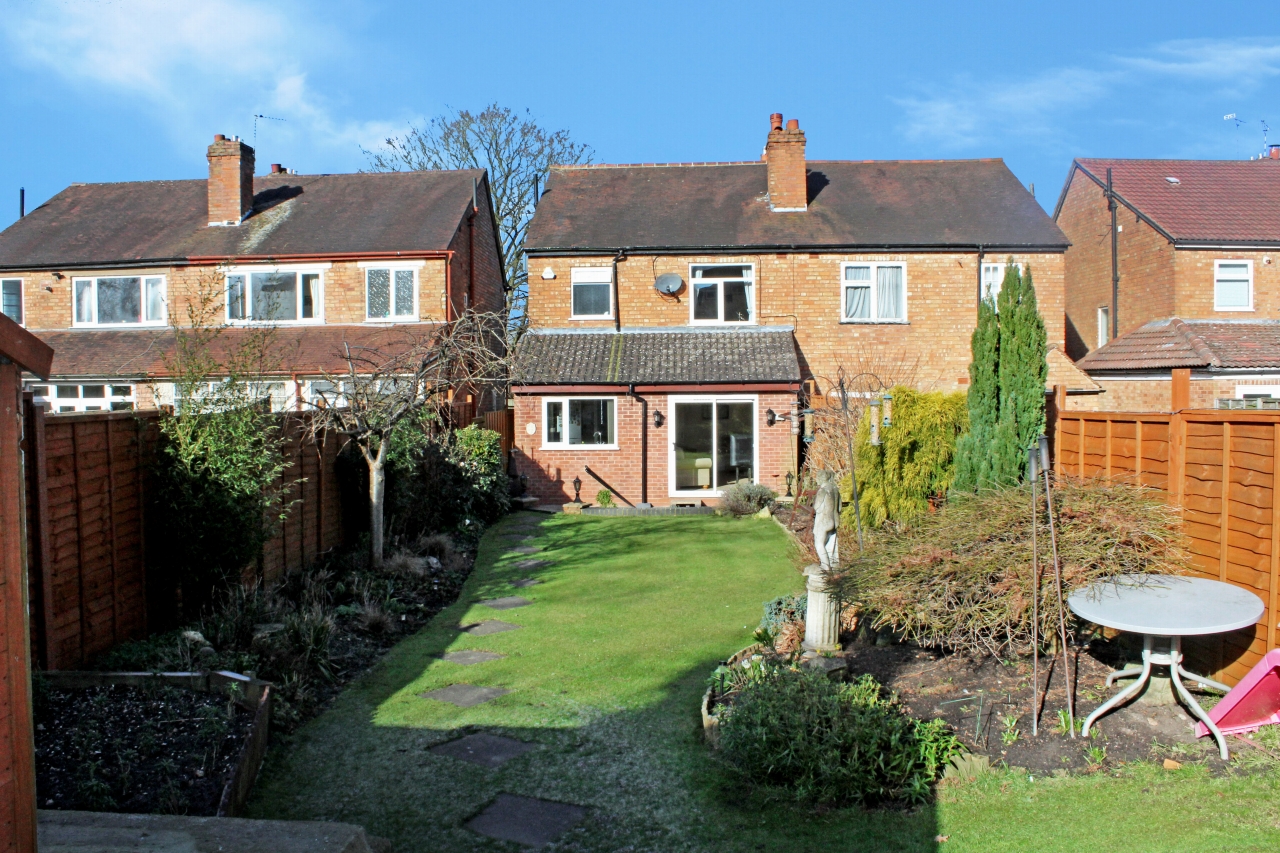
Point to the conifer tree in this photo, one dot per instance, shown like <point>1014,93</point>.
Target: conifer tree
<point>984,400</point>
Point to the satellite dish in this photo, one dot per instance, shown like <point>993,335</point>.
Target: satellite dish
<point>668,283</point>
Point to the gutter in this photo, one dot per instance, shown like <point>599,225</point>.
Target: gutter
<point>738,249</point>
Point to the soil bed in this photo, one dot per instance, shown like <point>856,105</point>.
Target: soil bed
<point>131,749</point>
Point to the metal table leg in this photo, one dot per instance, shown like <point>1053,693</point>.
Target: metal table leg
<point>1144,675</point>
<point>1175,670</point>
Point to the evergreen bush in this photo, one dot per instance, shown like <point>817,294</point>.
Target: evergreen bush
<point>746,498</point>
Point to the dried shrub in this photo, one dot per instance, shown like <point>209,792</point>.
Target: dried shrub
<point>746,498</point>
<point>960,578</point>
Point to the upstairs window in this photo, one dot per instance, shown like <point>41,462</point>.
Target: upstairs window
<point>592,296</point>
<point>1104,325</point>
<point>390,294</point>
<point>993,280</point>
<point>1233,285</point>
<point>874,293</point>
<point>11,299</point>
<point>723,294</point>
<point>119,300</point>
<point>275,296</point>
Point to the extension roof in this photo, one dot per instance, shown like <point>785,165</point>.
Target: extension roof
<point>871,204</point>
<point>1213,201</point>
<point>657,356</point>
<point>300,350</point>
<point>1207,344</point>
<point>149,222</point>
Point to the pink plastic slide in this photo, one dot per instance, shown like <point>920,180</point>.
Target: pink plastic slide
<point>1252,703</point>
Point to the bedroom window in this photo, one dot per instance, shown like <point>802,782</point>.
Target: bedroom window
<point>722,293</point>
<point>873,293</point>
<point>1233,285</point>
<point>11,299</point>
<point>274,296</point>
<point>119,300</point>
<point>592,293</point>
<point>579,422</point>
<point>993,280</point>
<point>390,294</point>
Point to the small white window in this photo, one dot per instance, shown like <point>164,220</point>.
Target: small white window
<point>1104,325</point>
<point>722,293</point>
<point>873,293</point>
<point>579,422</point>
<point>1233,285</point>
<point>119,300</point>
<point>592,295</point>
<point>391,294</point>
<point>274,295</point>
<point>11,299</point>
<point>93,396</point>
<point>993,280</point>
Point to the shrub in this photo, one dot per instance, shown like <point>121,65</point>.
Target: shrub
<point>746,498</point>
<point>604,498</point>
<point>827,742</point>
<point>784,609</point>
<point>960,578</point>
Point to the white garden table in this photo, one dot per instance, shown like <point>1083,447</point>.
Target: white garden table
<point>1165,608</point>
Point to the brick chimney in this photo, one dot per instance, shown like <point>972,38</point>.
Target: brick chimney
<point>230,181</point>
<point>784,155</point>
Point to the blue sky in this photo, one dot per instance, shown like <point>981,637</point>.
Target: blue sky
<point>117,90</point>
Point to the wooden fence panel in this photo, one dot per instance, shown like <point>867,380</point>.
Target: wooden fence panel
<point>1219,465</point>
<point>503,423</point>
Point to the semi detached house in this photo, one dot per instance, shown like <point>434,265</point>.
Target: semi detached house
<point>102,272</point>
<point>679,313</point>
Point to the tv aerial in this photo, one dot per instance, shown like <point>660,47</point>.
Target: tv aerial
<point>257,116</point>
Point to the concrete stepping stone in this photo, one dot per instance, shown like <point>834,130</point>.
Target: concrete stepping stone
<point>490,751</point>
<point>464,695</point>
<point>533,564</point>
<point>526,820</point>
<point>468,657</point>
<point>507,602</point>
<point>525,582</point>
<point>526,549</point>
<point>489,626</point>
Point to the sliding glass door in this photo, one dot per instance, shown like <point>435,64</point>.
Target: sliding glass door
<point>713,444</point>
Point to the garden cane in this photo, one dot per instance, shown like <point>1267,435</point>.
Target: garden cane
<point>1057,582</point>
<point>1033,458</point>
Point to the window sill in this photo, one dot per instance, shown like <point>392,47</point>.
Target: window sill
<point>875,322</point>
<point>1248,310</point>
<point>576,447</point>
<point>115,327</point>
<point>592,317</point>
<point>247,323</point>
<point>391,321</point>
<point>727,323</point>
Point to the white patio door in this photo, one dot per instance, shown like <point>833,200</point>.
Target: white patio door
<point>713,444</point>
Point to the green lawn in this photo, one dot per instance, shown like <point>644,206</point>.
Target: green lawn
<point>605,676</point>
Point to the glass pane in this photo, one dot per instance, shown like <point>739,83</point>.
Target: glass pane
<point>155,299</point>
<point>404,293</point>
<point>591,422</point>
<point>235,297</point>
<point>68,390</point>
<point>857,273</point>
<point>735,444</point>
<point>40,390</point>
<point>93,391</point>
<point>705,297</point>
<point>722,272</point>
<point>122,407</point>
<point>274,295</point>
<point>12,299</point>
<point>119,300</point>
<point>737,302</point>
<point>857,303</point>
<point>310,292</point>
<point>590,300</point>
<point>889,293</point>
<point>121,390</point>
<point>1232,290</point>
<point>84,301</point>
<point>379,286</point>
<point>555,423</point>
<point>693,446</point>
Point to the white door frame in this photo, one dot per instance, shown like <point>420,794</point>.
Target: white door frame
<point>675,399</point>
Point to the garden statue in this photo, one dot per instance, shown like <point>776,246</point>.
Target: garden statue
<point>821,624</point>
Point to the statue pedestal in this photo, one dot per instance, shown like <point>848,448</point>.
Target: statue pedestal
<point>821,621</point>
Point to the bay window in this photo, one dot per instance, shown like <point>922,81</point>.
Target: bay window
<point>722,293</point>
<point>119,300</point>
<point>873,293</point>
<point>579,422</point>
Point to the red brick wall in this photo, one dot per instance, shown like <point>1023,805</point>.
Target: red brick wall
<point>1193,297</point>
<point>550,473</point>
<point>1154,395</point>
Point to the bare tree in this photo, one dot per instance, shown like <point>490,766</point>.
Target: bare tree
<point>518,155</point>
<point>383,386</point>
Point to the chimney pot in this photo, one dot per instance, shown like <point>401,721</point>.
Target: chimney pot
<point>275,169</point>
<point>775,121</point>
<point>1275,152</point>
<point>793,124</point>
<point>218,137</point>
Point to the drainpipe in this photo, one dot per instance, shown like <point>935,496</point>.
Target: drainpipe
<point>1115,262</point>
<point>981,255</point>
<point>644,443</point>
<point>448,287</point>
<point>471,247</point>
<point>617,313</point>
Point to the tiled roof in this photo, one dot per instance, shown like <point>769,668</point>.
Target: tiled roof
<point>88,224</point>
<point>1211,344</point>
<point>563,357</point>
<point>140,354</point>
<point>1229,201</point>
<point>872,204</point>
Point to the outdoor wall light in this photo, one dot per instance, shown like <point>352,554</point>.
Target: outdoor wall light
<point>658,419</point>
<point>791,478</point>
<point>548,274</point>
<point>770,417</point>
<point>577,488</point>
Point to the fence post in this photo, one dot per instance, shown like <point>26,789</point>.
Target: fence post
<point>1180,389</point>
<point>1272,616</point>
<point>1177,455</point>
<point>39,559</point>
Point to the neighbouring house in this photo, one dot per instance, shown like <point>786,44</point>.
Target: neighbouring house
<point>1159,239</point>
<point>680,315</point>
<point>102,272</point>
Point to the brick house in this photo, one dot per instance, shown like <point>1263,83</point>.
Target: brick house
<point>1189,267</point>
<point>679,313</point>
<point>102,271</point>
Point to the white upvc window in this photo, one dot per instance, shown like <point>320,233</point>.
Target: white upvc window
<point>293,294</point>
<point>99,395</point>
<point>1104,324</point>
<point>993,280</point>
<point>391,292</point>
<point>713,443</point>
<point>873,292</point>
<point>11,299</point>
<point>119,300</point>
<point>591,296</point>
<point>579,423</point>
<point>1233,285</point>
<point>722,293</point>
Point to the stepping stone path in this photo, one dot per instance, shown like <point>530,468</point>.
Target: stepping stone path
<point>489,751</point>
<point>526,549</point>
<point>524,582</point>
<point>489,626</point>
<point>467,657</point>
<point>465,695</point>
<point>526,820</point>
<point>532,564</point>
<point>507,602</point>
